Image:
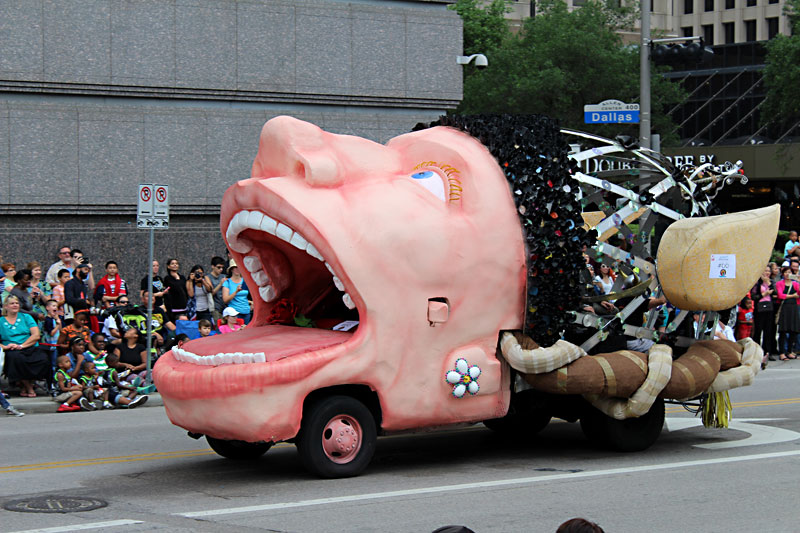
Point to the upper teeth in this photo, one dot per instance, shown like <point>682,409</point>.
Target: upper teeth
<point>258,221</point>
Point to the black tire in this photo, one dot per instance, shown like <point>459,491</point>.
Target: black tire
<point>527,415</point>
<point>317,444</point>
<point>630,435</point>
<point>238,450</point>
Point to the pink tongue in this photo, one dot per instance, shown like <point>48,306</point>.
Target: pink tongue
<point>277,342</point>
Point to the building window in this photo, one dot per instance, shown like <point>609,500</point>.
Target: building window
<point>751,3</point>
<point>773,1</point>
<point>772,27</point>
<point>729,28</point>
<point>749,30</point>
<point>688,6</point>
<point>730,4</point>
<point>708,34</point>
<point>578,3</point>
<point>709,5</point>
<point>687,31</point>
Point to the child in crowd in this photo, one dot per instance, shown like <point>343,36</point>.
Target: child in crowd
<point>77,354</point>
<point>744,318</point>
<point>91,388</point>
<point>51,330</point>
<point>97,349</point>
<point>119,392</point>
<point>78,328</point>
<point>63,277</point>
<point>70,392</point>
<point>204,328</point>
<point>229,321</point>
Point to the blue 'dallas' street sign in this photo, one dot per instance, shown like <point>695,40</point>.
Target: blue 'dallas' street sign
<point>611,112</point>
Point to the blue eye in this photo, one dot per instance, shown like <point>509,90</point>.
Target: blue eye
<point>431,181</point>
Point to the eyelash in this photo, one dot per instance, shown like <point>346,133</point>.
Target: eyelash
<point>453,179</point>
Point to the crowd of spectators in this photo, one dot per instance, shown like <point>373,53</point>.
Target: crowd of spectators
<point>769,313</point>
<point>83,340</point>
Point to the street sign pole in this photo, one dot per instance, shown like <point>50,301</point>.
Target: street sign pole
<point>644,77</point>
<point>150,305</point>
<point>152,213</point>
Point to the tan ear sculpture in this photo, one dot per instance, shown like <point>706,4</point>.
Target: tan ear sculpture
<point>695,281</point>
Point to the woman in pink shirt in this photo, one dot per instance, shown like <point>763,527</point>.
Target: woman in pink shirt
<point>789,320</point>
<point>229,321</point>
<point>764,320</point>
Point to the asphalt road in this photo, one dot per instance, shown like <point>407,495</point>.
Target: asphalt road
<point>154,477</point>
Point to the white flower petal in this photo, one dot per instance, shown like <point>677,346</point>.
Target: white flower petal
<point>453,377</point>
<point>473,387</point>
<point>459,390</point>
<point>474,372</point>
<point>462,366</point>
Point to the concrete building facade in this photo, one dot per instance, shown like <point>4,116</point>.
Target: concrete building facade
<point>717,21</point>
<point>97,96</point>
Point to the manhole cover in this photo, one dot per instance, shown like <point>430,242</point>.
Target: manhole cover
<point>54,504</point>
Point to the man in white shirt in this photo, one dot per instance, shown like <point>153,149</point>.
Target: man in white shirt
<point>64,261</point>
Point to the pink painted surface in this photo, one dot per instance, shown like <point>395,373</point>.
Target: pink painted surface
<point>394,243</point>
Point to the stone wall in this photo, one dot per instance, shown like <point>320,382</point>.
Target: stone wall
<point>97,96</point>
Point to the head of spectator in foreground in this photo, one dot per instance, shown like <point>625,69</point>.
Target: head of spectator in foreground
<point>77,345</point>
<point>112,358</point>
<point>77,256</point>
<point>63,362</point>
<point>89,368</point>
<point>217,265</point>
<point>65,255</point>
<point>122,301</point>
<point>81,318</point>
<point>794,264</point>
<point>52,308</point>
<point>204,328</point>
<point>23,278</point>
<point>132,334</point>
<point>98,343</point>
<point>36,271</point>
<point>786,272</point>
<point>9,269</point>
<point>11,306</point>
<point>63,276</point>
<point>579,525</point>
<point>112,269</point>
<point>793,236</point>
<point>82,271</point>
<point>172,265</point>
<point>197,274</point>
<point>229,315</point>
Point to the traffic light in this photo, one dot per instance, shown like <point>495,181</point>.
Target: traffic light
<point>692,53</point>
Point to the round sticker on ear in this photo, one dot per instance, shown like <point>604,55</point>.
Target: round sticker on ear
<point>431,181</point>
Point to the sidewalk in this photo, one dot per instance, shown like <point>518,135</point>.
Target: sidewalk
<point>45,404</point>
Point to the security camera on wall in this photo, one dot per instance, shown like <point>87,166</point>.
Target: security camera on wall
<point>480,60</point>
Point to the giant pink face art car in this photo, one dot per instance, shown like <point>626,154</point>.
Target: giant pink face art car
<point>419,236</point>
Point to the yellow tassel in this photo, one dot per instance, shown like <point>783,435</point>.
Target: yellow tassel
<point>717,410</point>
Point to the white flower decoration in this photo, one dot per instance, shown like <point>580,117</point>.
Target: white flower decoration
<point>464,378</point>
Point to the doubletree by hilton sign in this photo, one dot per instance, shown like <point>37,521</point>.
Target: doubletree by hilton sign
<point>601,165</point>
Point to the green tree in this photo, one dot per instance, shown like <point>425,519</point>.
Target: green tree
<point>782,74</point>
<point>562,60</point>
<point>485,27</point>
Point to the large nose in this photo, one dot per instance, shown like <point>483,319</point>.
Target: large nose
<point>292,147</point>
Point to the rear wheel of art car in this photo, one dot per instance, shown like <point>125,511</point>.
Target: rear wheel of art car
<point>527,415</point>
<point>337,437</point>
<point>237,449</point>
<point>629,435</point>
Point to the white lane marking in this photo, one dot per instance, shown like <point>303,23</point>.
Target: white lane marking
<point>77,527</point>
<point>485,484</point>
<point>759,434</point>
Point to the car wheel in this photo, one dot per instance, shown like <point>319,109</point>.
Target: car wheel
<point>237,449</point>
<point>337,437</point>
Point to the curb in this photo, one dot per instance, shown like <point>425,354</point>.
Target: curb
<point>45,404</point>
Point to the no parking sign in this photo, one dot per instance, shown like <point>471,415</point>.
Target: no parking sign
<point>153,206</point>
